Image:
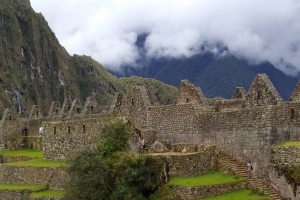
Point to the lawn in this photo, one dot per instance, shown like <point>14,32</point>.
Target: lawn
<point>210,178</point>
<point>48,193</point>
<point>24,152</point>
<point>240,194</point>
<point>38,163</point>
<point>21,187</point>
<point>295,143</point>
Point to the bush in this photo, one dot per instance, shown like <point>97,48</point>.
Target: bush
<point>90,177</point>
<point>114,134</point>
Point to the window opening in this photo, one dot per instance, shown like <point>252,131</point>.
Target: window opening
<point>292,114</point>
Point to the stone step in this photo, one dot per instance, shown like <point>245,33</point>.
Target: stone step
<point>241,169</point>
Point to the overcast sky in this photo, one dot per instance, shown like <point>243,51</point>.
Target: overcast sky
<point>107,30</point>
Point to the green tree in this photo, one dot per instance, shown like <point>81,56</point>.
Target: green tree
<point>90,178</point>
<point>111,172</point>
<point>114,134</point>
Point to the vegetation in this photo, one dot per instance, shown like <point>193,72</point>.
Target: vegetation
<point>115,133</point>
<point>109,172</point>
<point>210,178</point>
<point>48,193</point>
<point>240,194</point>
<point>164,192</point>
<point>38,163</point>
<point>292,174</point>
<point>295,143</point>
<point>55,74</point>
<point>38,154</point>
<point>21,187</point>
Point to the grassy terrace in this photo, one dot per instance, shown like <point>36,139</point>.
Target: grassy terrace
<point>37,163</point>
<point>36,154</point>
<point>295,143</point>
<point>240,194</point>
<point>210,178</point>
<point>48,193</point>
<point>22,187</point>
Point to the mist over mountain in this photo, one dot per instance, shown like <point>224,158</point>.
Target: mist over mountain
<point>217,74</point>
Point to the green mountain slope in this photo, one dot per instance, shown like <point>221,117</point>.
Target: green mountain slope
<point>222,76</point>
<point>216,75</point>
<point>36,69</point>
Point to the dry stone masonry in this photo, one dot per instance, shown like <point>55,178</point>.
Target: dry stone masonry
<point>244,127</point>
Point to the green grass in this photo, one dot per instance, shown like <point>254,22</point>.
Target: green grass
<point>21,187</point>
<point>288,144</point>
<point>25,152</point>
<point>210,178</point>
<point>48,193</point>
<point>240,194</point>
<point>38,163</point>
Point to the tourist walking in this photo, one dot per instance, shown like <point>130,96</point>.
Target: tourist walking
<point>249,168</point>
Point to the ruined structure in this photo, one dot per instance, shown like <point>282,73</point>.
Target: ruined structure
<point>244,127</point>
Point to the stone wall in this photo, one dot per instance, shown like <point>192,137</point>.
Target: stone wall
<point>53,177</point>
<point>22,195</point>
<point>181,121</point>
<point>61,138</point>
<point>188,93</point>
<point>228,104</point>
<point>289,155</point>
<point>9,159</point>
<point>14,194</point>
<point>206,191</point>
<point>134,106</point>
<point>281,156</point>
<point>190,164</point>
<point>189,147</point>
<point>22,142</point>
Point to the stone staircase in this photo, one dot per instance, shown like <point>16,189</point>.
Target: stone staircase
<point>241,169</point>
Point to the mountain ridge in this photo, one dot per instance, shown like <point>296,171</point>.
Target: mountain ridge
<point>36,69</point>
<point>216,75</point>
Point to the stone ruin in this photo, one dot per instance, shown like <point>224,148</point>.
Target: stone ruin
<point>244,127</point>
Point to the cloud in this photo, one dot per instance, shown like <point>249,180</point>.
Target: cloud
<point>256,30</point>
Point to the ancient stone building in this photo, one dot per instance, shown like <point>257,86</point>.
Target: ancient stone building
<point>245,127</point>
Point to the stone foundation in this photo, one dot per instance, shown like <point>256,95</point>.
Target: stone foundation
<point>189,147</point>
<point>286,155</point>
<point>22,142</point>
<point>8,159</point>
<point>22,195</point>
<point>190,164</point>
<point>53,177</point>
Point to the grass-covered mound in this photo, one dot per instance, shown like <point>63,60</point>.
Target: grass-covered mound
<point>295,143</point>
<point>37,163</point>
<point>35,154</point>
<point>210,178</point>
<point>22,187</point>
<point>240,194</point>
<point>48,193</point>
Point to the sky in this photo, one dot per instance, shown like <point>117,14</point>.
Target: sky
<point>106,30</point>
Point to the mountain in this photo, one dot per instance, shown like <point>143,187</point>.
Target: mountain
<point>36,69</point>
<point>218,76</point>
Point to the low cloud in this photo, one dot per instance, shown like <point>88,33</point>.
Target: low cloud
<point>256,30</point>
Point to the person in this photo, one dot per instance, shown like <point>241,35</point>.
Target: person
<point>249,166</point>
<point>139,143</point>
<point>41,131</point>
<point>25,131</point>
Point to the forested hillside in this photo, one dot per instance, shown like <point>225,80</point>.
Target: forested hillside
<point>36,69</point>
